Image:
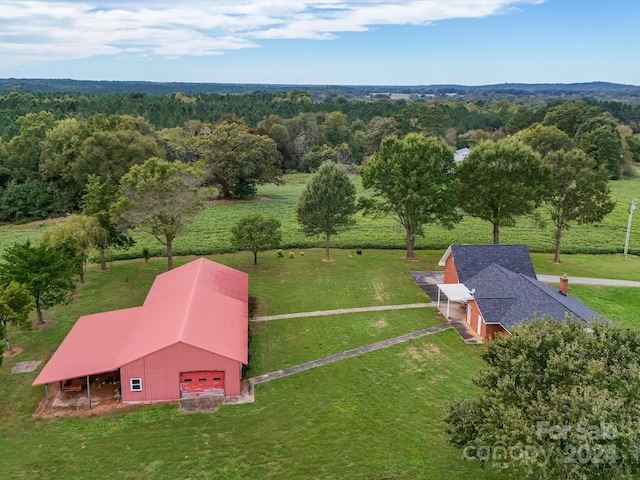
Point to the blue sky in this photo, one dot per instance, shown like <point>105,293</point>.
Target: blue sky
<point>374,42</point>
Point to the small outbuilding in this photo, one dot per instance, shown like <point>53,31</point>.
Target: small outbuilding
<point>188,339</point>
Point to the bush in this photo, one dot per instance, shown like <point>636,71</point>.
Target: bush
<point>291,254</point>
<point>280,253</point>
<point>146,254</point>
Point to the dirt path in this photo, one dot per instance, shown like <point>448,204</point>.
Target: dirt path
<point>321,313</point>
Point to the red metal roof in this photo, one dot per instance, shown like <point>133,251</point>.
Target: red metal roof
<point>202,304</point>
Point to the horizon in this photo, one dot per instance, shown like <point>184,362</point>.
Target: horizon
<point>590,82</point>
<point>322,42</point>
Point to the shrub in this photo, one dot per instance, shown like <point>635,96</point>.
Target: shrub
<point>280,253</point>
<point>291,254</point>
<point>146,254</point>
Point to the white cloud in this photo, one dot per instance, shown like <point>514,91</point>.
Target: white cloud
<point>36,30</point>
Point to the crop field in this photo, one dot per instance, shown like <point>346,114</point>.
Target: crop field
<point>210,232</point>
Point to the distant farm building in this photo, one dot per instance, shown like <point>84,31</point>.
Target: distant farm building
<point>498,285</point>
<point>188,339</point>
<point>460,154</point>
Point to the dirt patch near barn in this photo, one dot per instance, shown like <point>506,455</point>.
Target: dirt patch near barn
<point>7,354</point>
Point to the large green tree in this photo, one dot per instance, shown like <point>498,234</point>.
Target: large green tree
<point>577,191</point>
<point>234,159</point>
<point>501,181</point>
<point>377,129</point>
<point>86,232</point>
<point>327,204</point>
<point>45,269</point>
<point>15,304</point>
<point>413,180</point>
<point>558,400</point>
<point>569,116</point>
<point>544,139</point>
<point>98,203</point>
<point>256,233</point>
<point>600,138</point>
<point>161,198</point>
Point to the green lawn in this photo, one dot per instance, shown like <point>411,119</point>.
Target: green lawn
<point>373,416</point>
<point>598,266</point>
<point>278,344</point>
<point>617,304</point>
<point>378,415</point>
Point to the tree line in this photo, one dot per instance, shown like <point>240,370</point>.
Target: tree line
<point>45,165</point>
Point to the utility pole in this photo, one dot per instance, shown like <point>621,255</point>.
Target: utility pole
<point>626,242</point>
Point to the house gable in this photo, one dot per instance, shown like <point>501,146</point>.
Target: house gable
<point>468,260</point>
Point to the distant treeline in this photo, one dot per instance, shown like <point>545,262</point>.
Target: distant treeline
<point>52,143</point>
<point>599,90</point>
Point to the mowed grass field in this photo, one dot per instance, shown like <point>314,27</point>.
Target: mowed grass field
<point>375,416</point>
<point>209,233</point>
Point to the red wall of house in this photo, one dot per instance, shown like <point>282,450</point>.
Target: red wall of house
<point>472,307</point>
<point>486,330</point>
<point>491,330</point>
<point>450,273</point>
<point>160,373</point>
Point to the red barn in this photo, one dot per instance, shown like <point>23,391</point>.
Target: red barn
<point>189,338</point>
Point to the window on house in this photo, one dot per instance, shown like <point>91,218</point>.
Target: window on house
<point>136,384</point>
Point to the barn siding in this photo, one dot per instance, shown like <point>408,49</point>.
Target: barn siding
<point>160,372</point>
<point>450,273</point>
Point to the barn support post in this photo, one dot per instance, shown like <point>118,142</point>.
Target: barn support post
<point>88,392</point>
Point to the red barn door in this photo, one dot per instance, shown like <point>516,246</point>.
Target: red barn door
<point>197,384</point>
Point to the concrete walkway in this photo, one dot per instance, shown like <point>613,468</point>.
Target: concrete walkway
<point>322,313</point>
<point>609,282</point>
<point>346,354</point>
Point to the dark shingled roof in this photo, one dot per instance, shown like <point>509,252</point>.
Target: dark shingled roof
<point>508,298</point>
<point>471,259</point>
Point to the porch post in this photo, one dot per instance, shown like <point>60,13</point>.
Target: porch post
<point>46,397</point>
<point>448,308</point>
<point>88,392</point>
<point>438,297</point>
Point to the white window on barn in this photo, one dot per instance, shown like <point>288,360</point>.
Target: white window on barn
<point>136,384</point>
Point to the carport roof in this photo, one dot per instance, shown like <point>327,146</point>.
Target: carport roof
<point>455,292</point>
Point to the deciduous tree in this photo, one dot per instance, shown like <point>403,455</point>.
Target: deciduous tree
<point>577,191</point>
<point>45,269</point>
<point>413,180</point>
<point>236,160</point>
<point>558,401</point>
<point>15,304</point>
<point>327,204</point>
<point>544,139</point>
<point>256,233</point>
<point>161,198</point>
<point>84,230</point>
<point>98,202</point>
<point>501,181</point>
